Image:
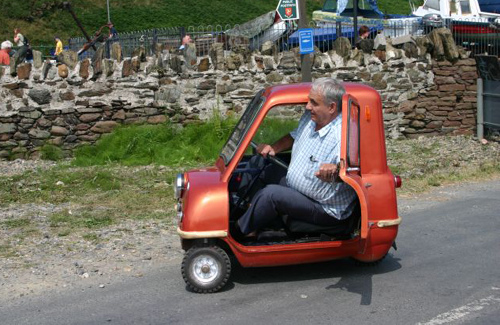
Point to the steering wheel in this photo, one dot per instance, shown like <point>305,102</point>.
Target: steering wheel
<point>273,159</point>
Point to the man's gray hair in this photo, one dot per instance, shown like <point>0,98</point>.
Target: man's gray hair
<point>331,89</point>
<point>6,45</point>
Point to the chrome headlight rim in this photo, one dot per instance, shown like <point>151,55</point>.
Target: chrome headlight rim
<point>179,185</point>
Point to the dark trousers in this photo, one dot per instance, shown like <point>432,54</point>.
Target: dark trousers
<point>274,201</point>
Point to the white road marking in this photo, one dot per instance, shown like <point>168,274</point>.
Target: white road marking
<point>460,312</point>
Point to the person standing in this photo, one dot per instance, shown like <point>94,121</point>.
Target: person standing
<point>22,51</point>
<point>4,53</point>
<point>59,46</point>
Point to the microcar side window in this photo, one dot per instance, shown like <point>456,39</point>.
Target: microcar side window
<point>353,134</point>
<point>242,127</point>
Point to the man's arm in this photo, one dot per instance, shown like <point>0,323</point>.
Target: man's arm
<point>282,144</point>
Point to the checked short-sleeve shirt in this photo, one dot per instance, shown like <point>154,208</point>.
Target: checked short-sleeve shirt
<point>311,149</point>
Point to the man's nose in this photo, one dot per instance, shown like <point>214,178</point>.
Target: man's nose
<point>308,106</point>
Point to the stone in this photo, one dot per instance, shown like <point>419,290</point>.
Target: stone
<point>39,134</point>
<point>108,67</point>
<point>206,85</point>
<point>69,58</point>
<point>411,50</point>
<point>58,131</point>
<point>444,45</point>
<point>233,61</point>
<point>62,71</point>
<point>127,68</point>
<point>190,56</point>
<point>89,117</point>
<point>84,69</point>
<point>98,90</point>
<point>274,77</point>
<point>268,48</point>
<point>23,71</point>
<point>97,62</point>
<point>7,128</point>
<point>40,95</point>
<point>37,59</point>
<point>176,64</point>
<point>287,61</point>
<point>204,65</point>
<point>379,42</point>
<point>140,52</point>
<point>104,126</point>
<point>116,52</point>
<point>216,54</point>
<point>120,115</point>
<point>342,46</point>
<point>68,95</point>
<point>169,94</point>
<point>157,119</point>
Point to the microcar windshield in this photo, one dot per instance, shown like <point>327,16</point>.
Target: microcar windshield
<point>241,128</point>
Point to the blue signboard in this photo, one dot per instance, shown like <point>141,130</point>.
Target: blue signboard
<point>306,43</point>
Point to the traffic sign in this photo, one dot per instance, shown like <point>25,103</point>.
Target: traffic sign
<point>288,9</point>
<point>306,40</point>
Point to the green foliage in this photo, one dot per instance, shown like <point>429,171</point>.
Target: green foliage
<point>158,144</point>
<point>41,22</point>
<point>51,152</point>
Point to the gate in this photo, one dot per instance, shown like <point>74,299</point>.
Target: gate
<point>488,93</point>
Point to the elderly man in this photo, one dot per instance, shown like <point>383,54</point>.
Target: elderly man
<point>4,53</point>
<point>309,192</point>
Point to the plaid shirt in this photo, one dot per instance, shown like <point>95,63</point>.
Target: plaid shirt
<point>311,149</point>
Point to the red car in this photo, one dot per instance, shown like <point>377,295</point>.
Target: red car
<point>209,201</point>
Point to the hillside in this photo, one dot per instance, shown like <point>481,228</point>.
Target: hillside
<point>41,20</point>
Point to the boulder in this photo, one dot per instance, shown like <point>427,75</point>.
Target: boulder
<point>379,42</point>
<point>190,56</point>
<point>24,71</point>
<point>116,52</point>
<point>37,59</point>
<point>444,45</point>
<point>70,58</point>
<point>97,62</point>
<point>84,68</point>
<point>62,71</point>
<point>40,95</point>
<point>127,68</point>
<point>204,65</point>
<point>342,46</point>
<point>216,54</point>
<point>104,126</point>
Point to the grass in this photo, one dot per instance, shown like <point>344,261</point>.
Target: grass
<point>161,145</point>
<point>128,175</point>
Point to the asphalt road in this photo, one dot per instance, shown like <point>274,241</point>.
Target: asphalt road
<point>446,271</point>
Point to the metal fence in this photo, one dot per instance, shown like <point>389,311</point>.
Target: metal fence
<point>477,35</point>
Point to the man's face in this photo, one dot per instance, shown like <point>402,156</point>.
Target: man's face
<point>321,113</point>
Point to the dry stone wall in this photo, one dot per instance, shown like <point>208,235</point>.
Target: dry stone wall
<point>77,102</point>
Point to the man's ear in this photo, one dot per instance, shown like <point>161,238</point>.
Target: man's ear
<point>332,107</point>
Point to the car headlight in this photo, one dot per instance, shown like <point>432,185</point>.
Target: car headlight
<point>179,186</point>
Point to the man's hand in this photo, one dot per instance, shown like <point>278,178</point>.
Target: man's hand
<point>265,149</point>
<point>327,172</point>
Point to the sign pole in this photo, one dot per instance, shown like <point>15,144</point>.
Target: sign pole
<point>305,59</point>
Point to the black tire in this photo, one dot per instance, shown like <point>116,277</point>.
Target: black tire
<point>206,269</point>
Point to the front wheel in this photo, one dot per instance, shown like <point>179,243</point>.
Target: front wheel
<point>206,269</point>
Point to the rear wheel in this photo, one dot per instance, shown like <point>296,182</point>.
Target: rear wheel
<point>206,269</point>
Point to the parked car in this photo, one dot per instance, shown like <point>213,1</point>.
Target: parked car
<point>209,201</point>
